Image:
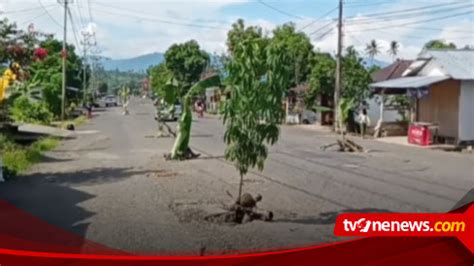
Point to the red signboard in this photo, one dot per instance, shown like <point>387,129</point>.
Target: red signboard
<point>419,134</point>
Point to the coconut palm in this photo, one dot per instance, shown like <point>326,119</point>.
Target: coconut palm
<point>372,49</point>
<point>393,50</point>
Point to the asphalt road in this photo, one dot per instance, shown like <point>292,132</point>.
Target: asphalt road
<point>112,185</point>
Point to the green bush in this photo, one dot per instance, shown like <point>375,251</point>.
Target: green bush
<point>17,159</point>
<point>45,144</point>
<point>27,111</point>
<point>5,144</point>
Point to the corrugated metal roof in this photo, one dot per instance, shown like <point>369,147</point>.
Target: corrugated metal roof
<point>409,82</point>
<point>395,70</point>
<point>459,64</point>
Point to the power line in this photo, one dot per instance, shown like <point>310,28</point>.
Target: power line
<point>160,20</point>
<point>42,14</point>
<point>321,37</point>
<point>279,10</point>
<point>172,18</point>
<point>404,11</point>
<point>49,14</point>
<point>321,28</point>
<point>24,10</point>
<point>408,15</point>
<point>439,29</point>
<point>417,22</point>
<point>73,26</point>
<point>319,18</point>
<point>353,4</point>
<point>81,17</point>
<point>417,37</point>
<point>90,10</point>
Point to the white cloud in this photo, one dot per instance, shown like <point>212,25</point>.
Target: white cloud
<point>125,28</point>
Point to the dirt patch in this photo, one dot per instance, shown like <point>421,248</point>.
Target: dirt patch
<point>163,173</point>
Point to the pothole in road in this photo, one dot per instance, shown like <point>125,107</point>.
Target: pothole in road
<point>216,213</point>
<point>194,211</point>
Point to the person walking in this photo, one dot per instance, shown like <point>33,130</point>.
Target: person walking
<point>200,108</point>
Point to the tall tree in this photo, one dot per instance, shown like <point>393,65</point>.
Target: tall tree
<point>322,79</point>
<point>372,49</point>
<point>186,63</point>
<point>159,76</point>
<point>258,75</point>
<point>300,51</point>
<point>355,79</point>
<point>393,49</point>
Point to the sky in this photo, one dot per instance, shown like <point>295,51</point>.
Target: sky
<point>127,28</point>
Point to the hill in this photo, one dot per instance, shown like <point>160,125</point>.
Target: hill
<point>135,64</point>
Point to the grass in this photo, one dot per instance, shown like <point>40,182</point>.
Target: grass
<point>18,159</point>
<point>45,144</point>
<point>80,120</point>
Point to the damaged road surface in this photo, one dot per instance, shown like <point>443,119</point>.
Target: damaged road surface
<point>114,187</point>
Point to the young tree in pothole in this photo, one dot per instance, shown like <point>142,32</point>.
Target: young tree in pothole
<point>257,78</point>
<point>186,63</point>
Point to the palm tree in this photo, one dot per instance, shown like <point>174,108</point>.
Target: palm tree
<point>372,49</point>
<point>393,50</point>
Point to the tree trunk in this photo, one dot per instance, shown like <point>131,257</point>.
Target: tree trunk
<point>181,143</point>
<point>240,186</point>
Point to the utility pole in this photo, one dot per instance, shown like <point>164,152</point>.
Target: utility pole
<point>338,85</point>
<point>84,66</point>
<point>64,57</point>
<point>85,44</point>
<point>94,65</point>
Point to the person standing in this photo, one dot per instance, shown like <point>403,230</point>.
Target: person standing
<point>364,122</point>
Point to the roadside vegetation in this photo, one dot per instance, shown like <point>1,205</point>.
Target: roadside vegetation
<point>31,79</point>
<point>18,158</point>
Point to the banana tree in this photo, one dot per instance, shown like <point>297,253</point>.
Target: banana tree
<point>181,145</point>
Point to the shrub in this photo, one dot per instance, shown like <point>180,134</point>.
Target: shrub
<point>25,110</point>
<point>17,159</point>
<point>5,143</point>
<point>45,144</point>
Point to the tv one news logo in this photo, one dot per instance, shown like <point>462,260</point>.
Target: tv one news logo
<point>364,225</point>
<point>400,225</point>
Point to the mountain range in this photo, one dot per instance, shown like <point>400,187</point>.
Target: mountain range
<point>136,64</point>
<point>143,62</point>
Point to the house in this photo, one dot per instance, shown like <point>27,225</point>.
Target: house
<point>213,99</point>
<point>441,86</point>
<point>392,71</point>
<point>295,107</point>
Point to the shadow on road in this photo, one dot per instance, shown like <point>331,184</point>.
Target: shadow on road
<point>88,177</point>
<point>55,204</point>
<point>51,198</point>
<point>328,217</point>
<point>49,159</point>
<point>80,150</point>
<point>209,157</point>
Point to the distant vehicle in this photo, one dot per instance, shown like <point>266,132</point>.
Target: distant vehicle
<point>172,114</point>
<point>110,100</point>
<point>308,117</point>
